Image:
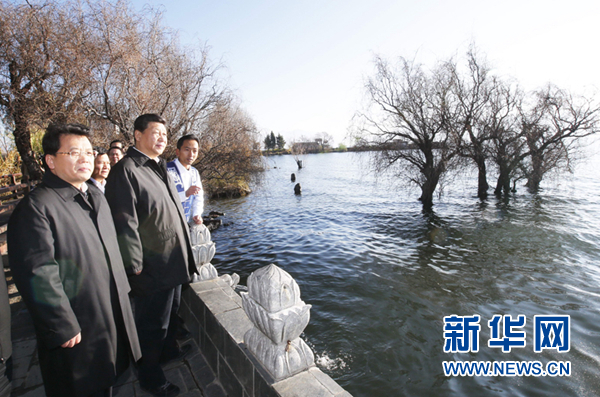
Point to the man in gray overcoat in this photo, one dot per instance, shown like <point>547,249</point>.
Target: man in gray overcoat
<point>64,255</point>
<point>155,245</point>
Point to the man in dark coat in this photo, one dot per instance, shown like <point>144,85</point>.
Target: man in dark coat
<point>64,255</point>
<point>5,342</point>
<point>155,245</point>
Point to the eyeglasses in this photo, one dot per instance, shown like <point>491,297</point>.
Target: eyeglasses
<point>77,153</point>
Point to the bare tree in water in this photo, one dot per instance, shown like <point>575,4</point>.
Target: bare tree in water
<point>420,123</point>
<point>552,129</point>
<point>473,91</point>
<point>412,119</point>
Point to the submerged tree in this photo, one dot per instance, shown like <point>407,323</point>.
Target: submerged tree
<point>419,124</point>
<point>411,118</point>
<point>552,128</point>
<point>473,93</point>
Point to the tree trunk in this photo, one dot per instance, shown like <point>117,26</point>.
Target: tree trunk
<point>482,179</point>
<point>535,177</point>
<point>432,177</point>
<point>23,144</point>
<point>503,185</point>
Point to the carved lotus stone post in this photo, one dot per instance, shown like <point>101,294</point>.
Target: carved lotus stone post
<point>279,316</point>
<point>204,251</point>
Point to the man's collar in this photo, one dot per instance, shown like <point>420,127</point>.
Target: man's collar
<point>62,187</point>
<point>181,166</point>
<point>138,157</point>
<point>95,182</point>
<point>157,159</point>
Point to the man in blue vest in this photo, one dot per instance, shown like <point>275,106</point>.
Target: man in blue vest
<point>187,179</point>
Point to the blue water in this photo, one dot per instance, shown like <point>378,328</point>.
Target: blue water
<point>381,274</point>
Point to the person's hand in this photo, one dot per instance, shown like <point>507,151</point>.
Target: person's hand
<point>193,190</point>
<point>198,219</point>
<point>72,342</point>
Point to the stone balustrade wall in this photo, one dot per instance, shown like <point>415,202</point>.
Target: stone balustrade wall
<point>214,314</point>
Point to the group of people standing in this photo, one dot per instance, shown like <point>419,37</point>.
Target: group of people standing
<point>99,251</point>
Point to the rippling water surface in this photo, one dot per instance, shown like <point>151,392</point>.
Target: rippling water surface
<point>380,274</point>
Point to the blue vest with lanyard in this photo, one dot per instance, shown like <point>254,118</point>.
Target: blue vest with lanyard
<point>187,203</point>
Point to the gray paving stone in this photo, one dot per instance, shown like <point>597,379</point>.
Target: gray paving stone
<point>236,322</point>
<point>193,393</point>
<point>174,376</point>
<point>188,378</point>
<point>37,392</point>
<point>34,377</point>
<point>303,384</point>
<point>215,390</point>
<point>24,348</point>
<point>21,367</point>
<point>208,285</point>
<point>204,376</point>
<point>171,365</point>
<point>343,394</point>
<point>218,301</point>
<point>196,359</point>
<point>326,381</point>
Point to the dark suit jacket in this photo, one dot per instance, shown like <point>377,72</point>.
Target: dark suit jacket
<point>65,259</point>
<point>5,343</point>
<point>151,228</point>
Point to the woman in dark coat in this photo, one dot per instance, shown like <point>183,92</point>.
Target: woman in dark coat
<point>65,259</point>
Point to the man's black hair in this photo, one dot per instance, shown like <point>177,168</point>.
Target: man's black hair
<point>115,141</point>
<point>184,138</point>
<point>115,147</point>
<point>51,139</point>
<point>141,123</point>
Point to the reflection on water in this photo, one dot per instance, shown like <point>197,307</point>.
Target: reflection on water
<point>381,274</point>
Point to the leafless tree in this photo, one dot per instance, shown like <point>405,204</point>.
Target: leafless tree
<point>101,63</point>
<point>552,128</point>
<point>229,154</point>
<point>145,70</point>
<point>298,149</point>
<point>412,119</point>
<point>473,91</point>
<point>44,74</point>
<point>501,123</point>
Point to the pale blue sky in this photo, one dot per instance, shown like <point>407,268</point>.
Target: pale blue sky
<point>299,66</point>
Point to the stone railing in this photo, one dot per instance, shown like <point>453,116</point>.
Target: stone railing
<point>252,341</point>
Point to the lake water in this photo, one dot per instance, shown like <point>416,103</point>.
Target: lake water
<point>381,275</point>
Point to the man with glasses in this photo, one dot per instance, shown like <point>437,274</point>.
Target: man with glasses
<point>64,256</point>
<point>155,245</point>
